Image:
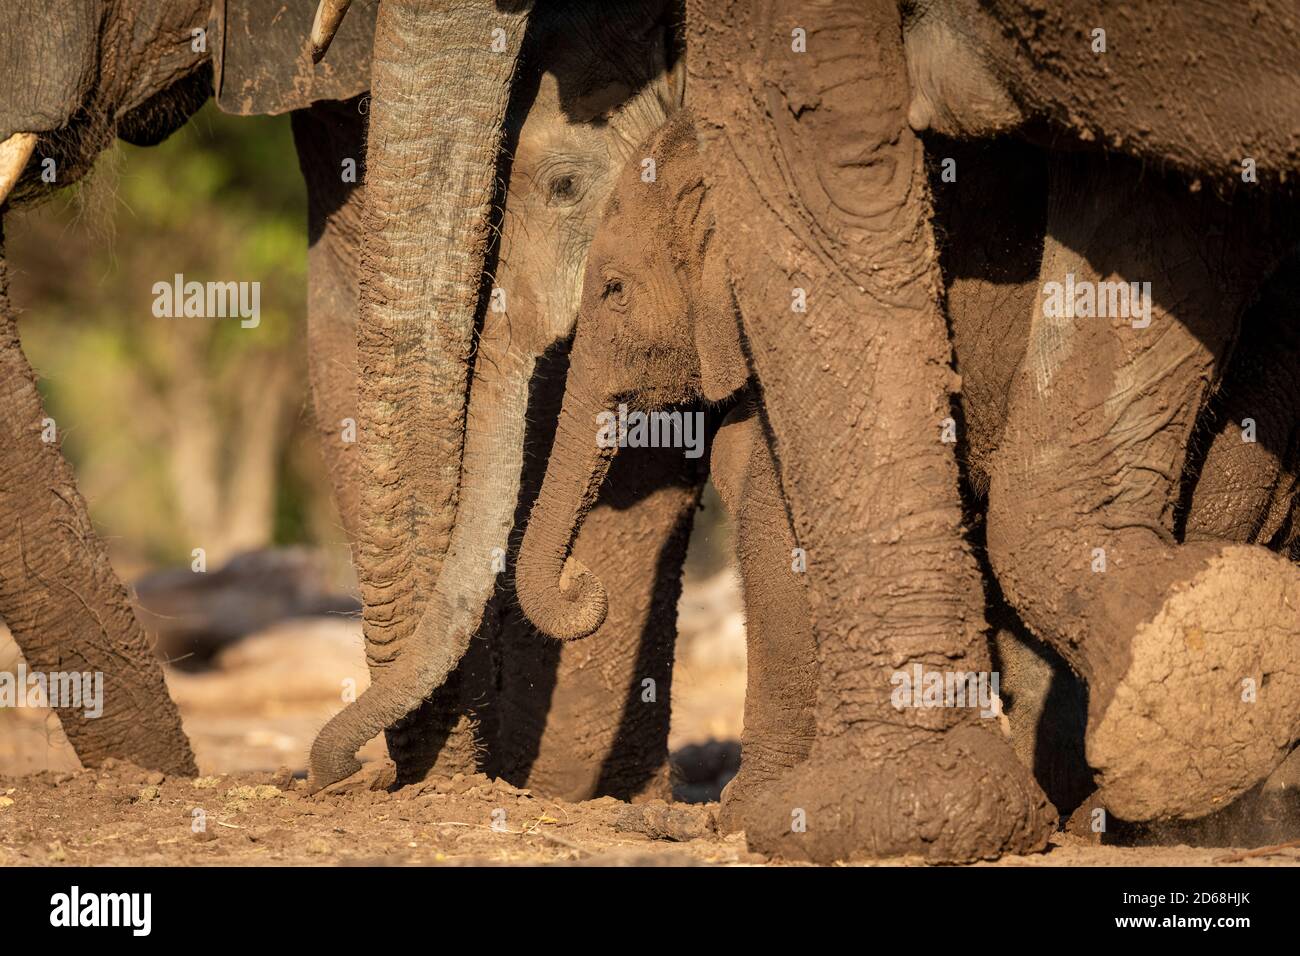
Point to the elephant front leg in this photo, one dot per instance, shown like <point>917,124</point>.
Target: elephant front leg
<point>1246,487</point>
<point>1190,650</point>
<point>59,596</point>
<point>822,203</point>
<point>781,669</point>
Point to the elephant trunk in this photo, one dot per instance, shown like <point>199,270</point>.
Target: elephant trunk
<point>494,452</point>
<point>558,594</point>
<point>441,82</point>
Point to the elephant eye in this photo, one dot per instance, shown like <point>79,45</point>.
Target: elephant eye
<point>613,293</point>
<point>562,190</point>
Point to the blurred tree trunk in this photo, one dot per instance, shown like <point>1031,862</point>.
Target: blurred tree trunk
<point>224,462</point>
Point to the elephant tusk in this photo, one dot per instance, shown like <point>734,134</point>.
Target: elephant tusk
<point>328,17</point>
<point>14,153</point>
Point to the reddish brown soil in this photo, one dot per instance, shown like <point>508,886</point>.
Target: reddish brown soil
<point>124,815</point>
<point>258,709</point>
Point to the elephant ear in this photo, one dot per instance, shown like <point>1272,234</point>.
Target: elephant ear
<point>724,367</point>
<point>715,322</point>
<point>261,55</point>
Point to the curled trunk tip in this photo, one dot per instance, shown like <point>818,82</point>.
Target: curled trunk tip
<point>572,607</point>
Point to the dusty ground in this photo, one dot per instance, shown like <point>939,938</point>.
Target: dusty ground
<point>253,716</point>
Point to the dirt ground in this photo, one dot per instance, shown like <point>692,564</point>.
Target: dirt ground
<point>252,717</point>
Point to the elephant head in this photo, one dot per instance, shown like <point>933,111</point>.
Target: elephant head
<point>77,72</point>
<point>139,70</point>
<point>445,470</point>
<point>656,329</point>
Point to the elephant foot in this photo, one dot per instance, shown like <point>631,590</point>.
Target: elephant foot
<point>739,797</point>
<point>424,747</point>
<point>761,765</point>
<point>951,797</point>
<point>1210,702</point>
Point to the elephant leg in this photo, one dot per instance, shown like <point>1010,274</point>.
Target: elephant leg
<point>439,736</point>
<point>59,596</point>
<point>590,718</point>
<point>1247,485</point>
<point>327,135</point>
<point>992,244</point>
<point>1046,708</point>
<point>781,670</point>
<point>820,189</point>
<point>991,251</point>
<point>1189,653</point>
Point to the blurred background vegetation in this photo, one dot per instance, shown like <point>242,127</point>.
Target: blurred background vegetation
<point>183,432</point>
<point>191,432</point>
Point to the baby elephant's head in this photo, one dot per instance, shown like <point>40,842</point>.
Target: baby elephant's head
<point>657,327</point>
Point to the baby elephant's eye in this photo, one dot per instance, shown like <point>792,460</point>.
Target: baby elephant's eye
<point>613,294</point>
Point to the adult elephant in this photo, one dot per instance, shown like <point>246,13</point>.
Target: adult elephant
<point>1186,640</point>
<point>820,187</point>
<point>1232,491</point>
<point>77,74</point>
<point>562,94</point>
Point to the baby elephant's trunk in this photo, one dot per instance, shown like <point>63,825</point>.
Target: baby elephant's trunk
<point>558,594</point>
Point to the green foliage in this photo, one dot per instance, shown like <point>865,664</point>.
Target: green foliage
<point>221,200</point>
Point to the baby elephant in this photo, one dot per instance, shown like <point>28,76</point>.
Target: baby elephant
<point>658,336</point>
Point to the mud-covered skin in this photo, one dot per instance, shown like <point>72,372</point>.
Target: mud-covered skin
<point>985,66</point>
<point>1101,416</point>
<point>592,82</point>
<point>781,668</point>
<point>326,136</point>
<point>96,63</point>
<point>1046,709</point>
<point>437,735</point>
<point>261,60</point>
<point>135,69</point>
<point>1249,491</point>
<point>1232,490</point>
<point>656,331</point>
<point>75,73</point>
<point>576,721</point>
<point>990,223</point>
<point>1098,428</point>
<point>813,193</point>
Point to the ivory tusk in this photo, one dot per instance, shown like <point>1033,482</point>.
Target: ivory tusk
<point>14,153</point>
<point>328,17</point>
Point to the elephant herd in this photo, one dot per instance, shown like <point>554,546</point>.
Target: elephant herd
<point>986,310</point>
